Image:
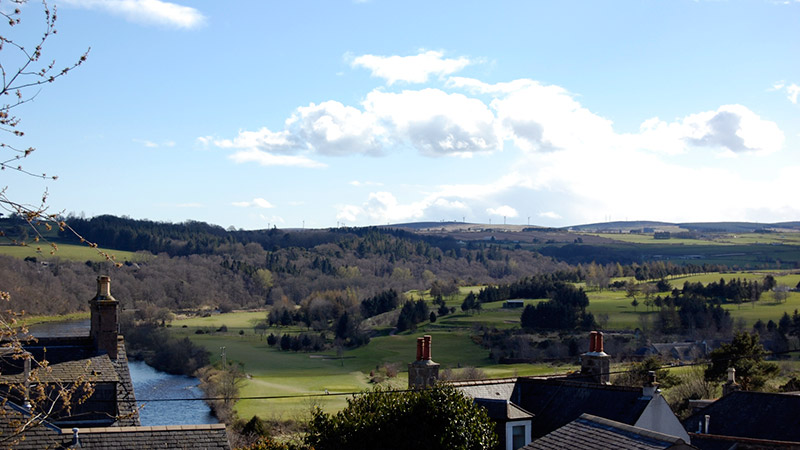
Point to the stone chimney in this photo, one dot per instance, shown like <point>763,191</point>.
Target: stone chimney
<point>596,364</point>
<point>423,373</point>
<point>104,321</point>
<point>650,388</point>
<point>731,385</point>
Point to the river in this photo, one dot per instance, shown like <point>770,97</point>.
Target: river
<point>152,387</point>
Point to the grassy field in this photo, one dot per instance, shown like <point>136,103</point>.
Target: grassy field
<point>66,251</point>
<point>786,238</point>
<point>274,373</point>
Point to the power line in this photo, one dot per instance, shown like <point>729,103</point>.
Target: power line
<point>330,394</point>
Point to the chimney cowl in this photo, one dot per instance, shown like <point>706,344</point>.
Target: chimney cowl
<point>650,388</point>
<point>104,289</point>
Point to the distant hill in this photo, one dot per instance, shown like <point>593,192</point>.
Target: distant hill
<point>624,226</point>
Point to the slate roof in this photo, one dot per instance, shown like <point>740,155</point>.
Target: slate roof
<point>44,435</point>
<point>501,388</point>
<point>97,369</point>
<point>126,400</point>
<point>557,402</point>
<point>72,357</point>
<point>195,437</point>
<point>757,415</point>
<point>590,432</point>
<point>503,410</point>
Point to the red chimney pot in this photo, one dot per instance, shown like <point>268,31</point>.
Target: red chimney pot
<point>427,348</point>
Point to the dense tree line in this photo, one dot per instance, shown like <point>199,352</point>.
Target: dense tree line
<point>413,312</point>
<point>59,286</point>
<point>380,303</point>
<point>540,286</point>
<point>732,291</point>
<point>566,310</point>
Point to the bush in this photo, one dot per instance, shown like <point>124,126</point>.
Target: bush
<point>441,418</point>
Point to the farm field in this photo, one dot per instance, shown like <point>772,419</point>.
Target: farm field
<point>786,238</point>
<point>66,251</point>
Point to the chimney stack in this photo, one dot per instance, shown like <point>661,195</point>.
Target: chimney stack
<point>596,364</point>
<point>650,388</point>
<point>423,373</point>
<point>730,385</point>
<point>104,318</point>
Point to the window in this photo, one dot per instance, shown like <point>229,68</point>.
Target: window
<point>518,436</point>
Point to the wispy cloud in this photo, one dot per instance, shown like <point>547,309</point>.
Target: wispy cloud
<point>268,159</point>
<point>146,12</point>
<point>411,69</point>
<point>151,144</point>
<point>357,183</point>
<point>792,90</point>
<point>550,215</point>
<point>255,203</point>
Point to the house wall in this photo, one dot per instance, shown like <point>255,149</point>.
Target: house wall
<point>658,416</point>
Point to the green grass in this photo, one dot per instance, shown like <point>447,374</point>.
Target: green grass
<point>276,373</point>
<point>71,252</point>
<point>621,315</point>
<point>648,239</point>
<point>238,320</point>
<point>31,320</point>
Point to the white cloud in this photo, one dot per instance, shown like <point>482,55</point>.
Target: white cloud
<point>731,128</point>
<point>793,91</point>
<point>263,139</point>
<point>546,118</point>
<point>435,122</point>
<point>411,69</point>
<point>189,205</point>
<point>432,121</point>
<point>151,144</point>
<point>148,12</point>
<point>267,159</point>
<point>333,129</point>
<point>550,215</point>
<point>255,203</point>
<point>505,211</point>
<point>357,183</point>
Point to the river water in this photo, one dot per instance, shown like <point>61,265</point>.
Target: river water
<point>151,386</point>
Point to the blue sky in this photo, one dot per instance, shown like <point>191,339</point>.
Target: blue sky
<point>302,113</point>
